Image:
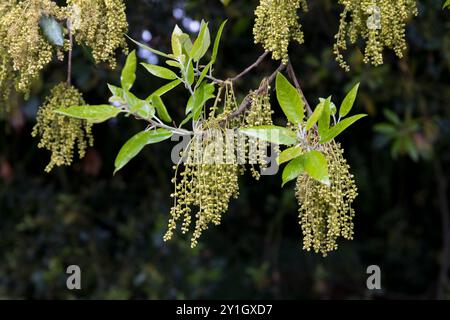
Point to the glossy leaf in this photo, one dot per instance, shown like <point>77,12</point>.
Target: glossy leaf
<point>289,154</point>
<point>217,42</point>
<point>93,114</point>
<point>138,106</point>
<point>161,109</point>
<point>129,71</point>
<point>316,165</point>
<point>324,120</point>
<point>339,127</point>
<point>349,101</point>
<point>203,74</point>
<point>135,145</point>
<point>115,91</point>
<point>274,134</point>
<point>292,170</point>
<point>177,46</point>
<point>164,89</point>
<point>312,120</point>
<point>289,99</point>
<point>159,71</point>
<point>145,47</point>
<point>190,76</point>
<point>204,93</point>
<point>202,43</point>
<point>52,30</point>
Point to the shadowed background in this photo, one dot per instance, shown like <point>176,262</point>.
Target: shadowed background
<point>112,226</point>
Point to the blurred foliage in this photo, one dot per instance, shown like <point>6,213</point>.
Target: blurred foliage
<point>112,226</point>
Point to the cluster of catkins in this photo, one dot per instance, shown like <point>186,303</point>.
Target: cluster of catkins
<point>325,211</point>
<point>214,160</point>
<point>25,51</point>
<point>381,23</point>
<point>59,134</point>
<point>258,114</point>
<point>210,176</point>
<point>276,24</point>
<point>101,25</point>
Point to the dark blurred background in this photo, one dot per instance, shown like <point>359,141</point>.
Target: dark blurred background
<point>112,226</point>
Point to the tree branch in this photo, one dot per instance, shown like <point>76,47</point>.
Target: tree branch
<point>246,102</point>
<point>69,58</point>
<point>250,68</point>
<point>293,77</point>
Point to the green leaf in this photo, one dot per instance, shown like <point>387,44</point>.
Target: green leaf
<point>115,91</point>
<point>290,100</point>
<point>446,4</point>
<point>316,165</point>
<point>289,154</point>
<point>186,120</point>
<point>135,145</point>
<point>159,71</point>
<point>129,71</point>
<point>348,102</point>
<point>161,109</point>
<point>292,170</point>
<point>52,30</point>
<point>203,74</point>
<point>145,47</point>
<point>274,134</point>
<point>324,120</point>
<point>202,43</point>
<point>339,127</point>
<point>190,76</point>
<point>177,47</point>
<point>317,114</point>
<point>139,106</point>
<point>164,89</point>
<point>173,63</point>
<point>204,93</point>
<point>93,114</point>
<point>217,42</point>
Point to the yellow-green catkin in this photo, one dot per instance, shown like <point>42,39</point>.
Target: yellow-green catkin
<point>101,25</point>
<point>209,175</point>
<point>59,134</point>
<point>23,45</point>
<point>258,114</point>
<point>380,23</point>
<point>276,24</point>
<point>325,212</point>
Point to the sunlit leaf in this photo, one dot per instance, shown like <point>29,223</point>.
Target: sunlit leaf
<point>164,89</point>
<point>202,43</point>
<point>135,145</point>
<point>145,47</point>
<point>292,170</point>
<point>339,127</point>
<point>324,120</point>
<point>129,71</point>
<point>316,165</point>
<point>274,134</point>
<point>289,154</point>
<point>161,109</point>
<point>349,101</point>
<point>217,42</point>
<point>93,114</point>
<point>159,71</point>
<point>289,99</point>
